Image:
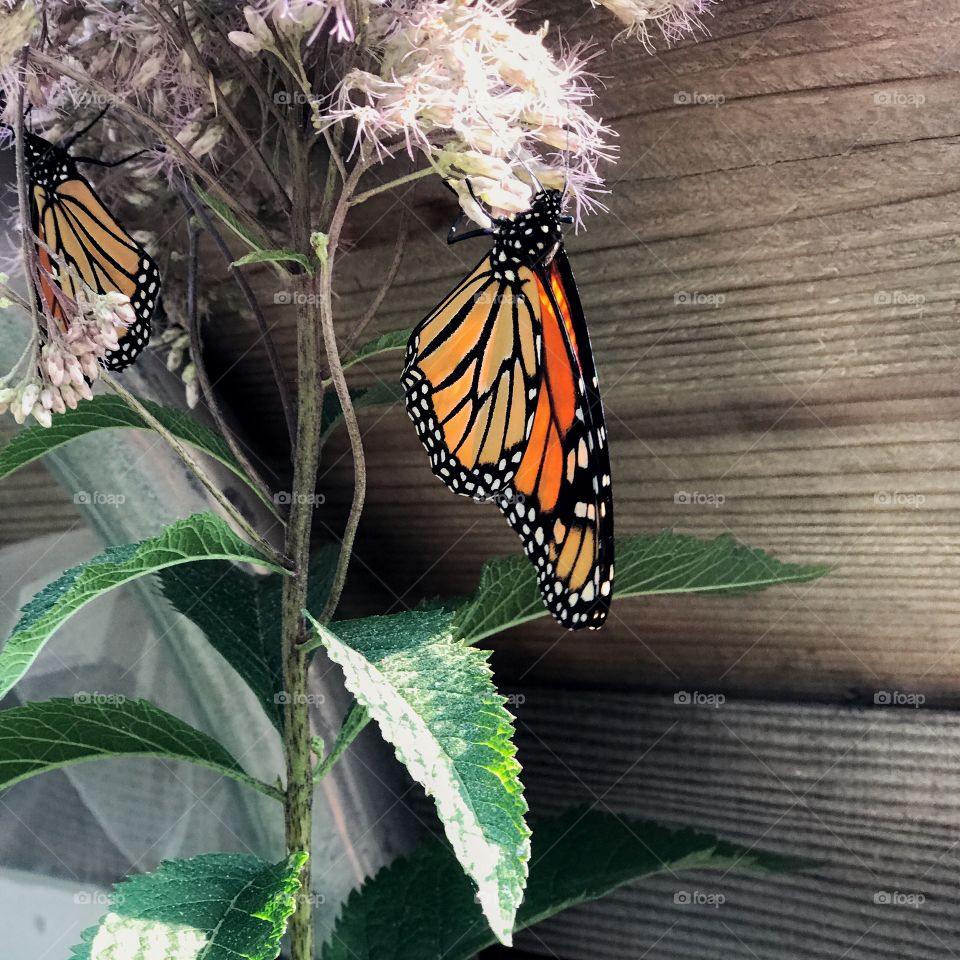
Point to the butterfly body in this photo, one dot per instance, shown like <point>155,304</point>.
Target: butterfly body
<point>72,221</point>
<point>501,387</point>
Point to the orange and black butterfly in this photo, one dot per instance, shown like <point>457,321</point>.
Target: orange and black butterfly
<point>501,385</point>
<point>72,221</point>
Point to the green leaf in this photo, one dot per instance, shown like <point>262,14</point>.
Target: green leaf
<point>434,700</point>
<point>219,906</point>
<point>393,340</point>
<point>355,721</point>
<point>240,615</point>
<point>200,537</point>
<point>646,566</point>
<point>39,737</point>
<point>106,413</point>
<point>421,907</point>
<point>274,256</point>
<point>230,219</point>
<point>377,395</point>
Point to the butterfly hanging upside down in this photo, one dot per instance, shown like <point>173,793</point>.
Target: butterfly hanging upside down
<point>71,220</point>
<point>501,386</point>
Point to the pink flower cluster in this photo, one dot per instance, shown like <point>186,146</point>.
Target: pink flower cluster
<point>483,100</point>
<point>60,376</point>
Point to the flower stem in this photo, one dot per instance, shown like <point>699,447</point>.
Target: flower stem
<point>296,732</point>
<point>275,365</point>
<point>26,221</point>
<point>343,393</point>
<point>389,185</point>
<point>238,518</point>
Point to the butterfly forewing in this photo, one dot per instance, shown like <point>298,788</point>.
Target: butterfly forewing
<point>471,379</point>
<point>70,219</point>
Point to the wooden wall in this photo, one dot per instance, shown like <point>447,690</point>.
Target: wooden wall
<point>773,304</point>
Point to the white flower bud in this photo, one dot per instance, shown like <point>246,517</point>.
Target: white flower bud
<point>68,396</point>
<point>28,397</point>
<point>258,26</point>
<point>42,416</point>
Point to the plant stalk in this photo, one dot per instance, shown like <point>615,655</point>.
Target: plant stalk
<point>296,734</point>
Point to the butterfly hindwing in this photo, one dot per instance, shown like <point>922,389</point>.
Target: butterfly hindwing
<point>563,505</point>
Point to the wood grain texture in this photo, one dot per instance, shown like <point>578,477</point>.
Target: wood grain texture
<point>773,305</point>
<point>868,795</point>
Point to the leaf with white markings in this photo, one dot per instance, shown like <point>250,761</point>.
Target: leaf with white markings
<point>219,906</point>
<point>200,537</point>
<point>39,737</point>
<point>422,907</point>
<point>646,566</point>
<point>434,700</point>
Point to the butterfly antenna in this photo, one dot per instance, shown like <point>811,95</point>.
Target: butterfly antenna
<point>71,140</point>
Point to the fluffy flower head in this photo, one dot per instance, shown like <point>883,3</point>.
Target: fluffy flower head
<point>459,82</point>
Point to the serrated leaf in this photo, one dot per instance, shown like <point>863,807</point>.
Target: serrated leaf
<point>108,413</point>
<point>377,395</point>
<point>392,340</point>
<point>434,700</point>
<point>240,614</point>
<point>354,722</point>
<point>39,737</point>
<point>421,907</point>
<point>219,906</point>
<point>229,219</point>
<point>274,256</point>
<point>646,566</point>
<point>200,537</point>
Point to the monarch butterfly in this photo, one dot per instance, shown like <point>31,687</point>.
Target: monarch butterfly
<point>501,386</point>
<point>71,220</point>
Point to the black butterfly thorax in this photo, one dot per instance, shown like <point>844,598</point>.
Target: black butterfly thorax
<point>48,165</point>
<point>530,239</point>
